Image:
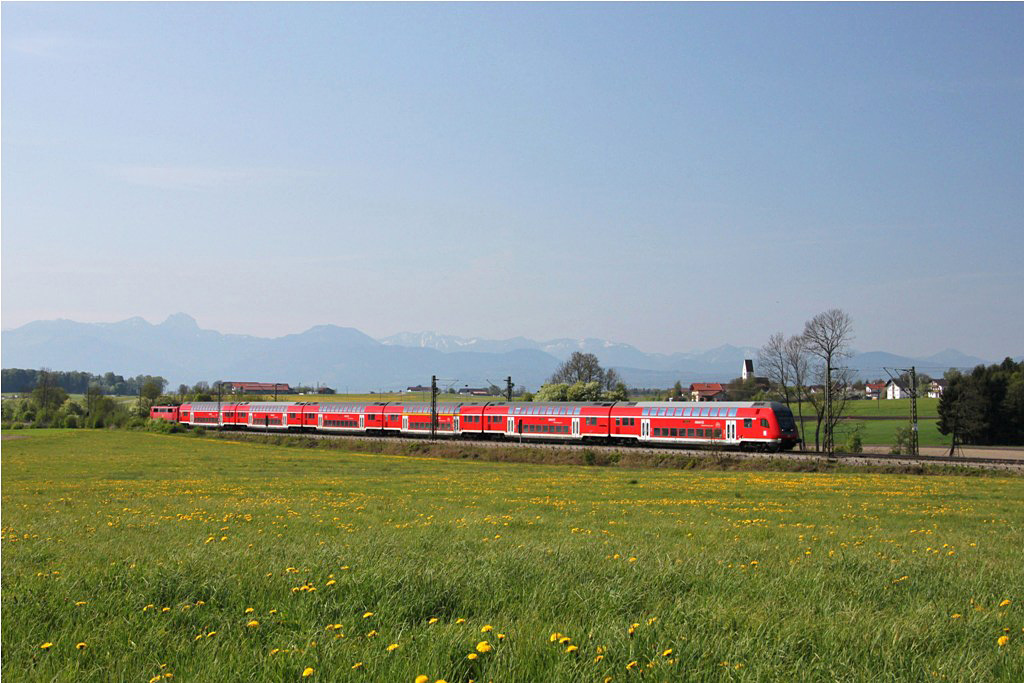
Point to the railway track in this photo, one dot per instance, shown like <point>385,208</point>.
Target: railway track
<point>1008,464</point>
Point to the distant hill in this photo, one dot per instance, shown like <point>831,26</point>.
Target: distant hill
<point>347,359</point>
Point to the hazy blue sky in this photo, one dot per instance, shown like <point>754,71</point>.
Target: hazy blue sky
<point>671,176</point>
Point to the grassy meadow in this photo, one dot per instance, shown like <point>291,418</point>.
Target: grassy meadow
<point>132,556</point>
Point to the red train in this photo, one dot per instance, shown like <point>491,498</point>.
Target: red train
<point>750,425</point>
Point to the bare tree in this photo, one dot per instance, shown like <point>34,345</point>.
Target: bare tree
<point>798,364</point>
<point>774,364</point>
<point>828,408</point>
<point>827,336</point>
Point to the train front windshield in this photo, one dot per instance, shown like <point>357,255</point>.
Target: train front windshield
<point>785,418</point>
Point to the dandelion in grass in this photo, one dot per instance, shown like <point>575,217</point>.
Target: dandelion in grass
<point>80,603</point>
<point>422,678</point>
<point>1002,640</point>
<point>500,636</point>
<point>564,640</point>
<point>667,653</point>
<point>249,610</point>
<point>956,616</point>
<point>371,634</point>
<point>483,647</point>
<point>392,647</point>
<point>431,620</point>
<point>367,615</point>
<point>331,582</point>
<point>307,672</point>
<point>460,620</point>
<point>1004,603</point>
<point>472,655</point>
<point>357,665</point>
<point>253,624</point>
<point>631,665</point>
<point>46,646</point>
<point>571,649</point>
<point>81,646</point>
<point>598,658</point>
<point>485,628</point>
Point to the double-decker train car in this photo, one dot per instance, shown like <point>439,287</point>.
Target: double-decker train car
<point>757,425</point>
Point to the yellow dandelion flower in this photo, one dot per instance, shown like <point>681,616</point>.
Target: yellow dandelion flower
<point>564,640</point>
<point>483,647</point>
<point>211,634</point>
<point>667,652</point>
<point>1004,603</point>
<point>156,678</point>
<point>371,634</point>
<point>571,649</point>
<point>600,650</point>
<point>392,647</point>
<point>367,615</point>
<point>80,603</point>
<point>472,655</point>
<point>501,636</point>
<point>357,665</point>
<point>46,646</point>
<point>486,628</point>
<point>598,658</point>
<point>81,646</point>
<point>253,624</point>
<point>631,665</point>
<point>165,609</point>
<point>632,559</point>
<point>198,637</point>
<point>331,582</point>
<point>460,620</point>
<point>168,675</point>
<point>431,620</point>
<point>554,637</point>
<point>1003,640</point>
<point>956,616</point>
<point>422,678</point>
<point>249,610</point>
<point>273,611</point>
<point>307,672</point>
<point>147,607</point>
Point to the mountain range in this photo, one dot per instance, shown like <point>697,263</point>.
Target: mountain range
<point>349,360</point>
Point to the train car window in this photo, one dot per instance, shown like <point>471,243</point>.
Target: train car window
<point>764,422</point>
<point>732,412</point>
<point>718,433</point>
<point>686,412</point>
<point>617,422</point>
<point>747,423</point>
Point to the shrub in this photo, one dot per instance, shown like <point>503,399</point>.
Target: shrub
<point>71,422</point>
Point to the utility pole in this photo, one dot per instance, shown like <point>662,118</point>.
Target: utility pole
<point>220,386</point>
<point>433,406</point>
<point>508,388</point>
<point>829,446</point>
<point>913,412</point>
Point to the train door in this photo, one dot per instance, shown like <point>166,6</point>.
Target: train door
<point>250,418</point>
<point>575,426</point>
<point>455,424</point>
<point>645,429</point>
<point>730,431</point>
<point>405,423</point>
<point>220,417</point>
<point>511,426</point>
<point>362,422</point>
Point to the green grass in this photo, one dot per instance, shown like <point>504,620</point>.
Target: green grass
<point>881,432</point>
<point>926,407</point>
<point>743,576</point>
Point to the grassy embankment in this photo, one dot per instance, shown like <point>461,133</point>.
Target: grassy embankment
<point>212,560</point>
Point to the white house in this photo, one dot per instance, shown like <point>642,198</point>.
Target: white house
<point>936,388</point>
<point>894,390</point>
<point>748,369</point>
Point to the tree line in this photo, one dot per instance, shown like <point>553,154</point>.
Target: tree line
<point>19,380</point>
<point>986,406</point>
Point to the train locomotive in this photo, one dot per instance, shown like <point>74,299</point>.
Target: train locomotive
<point>751,425</point>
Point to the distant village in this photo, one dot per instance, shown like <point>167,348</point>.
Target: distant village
<point>698,391</point>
